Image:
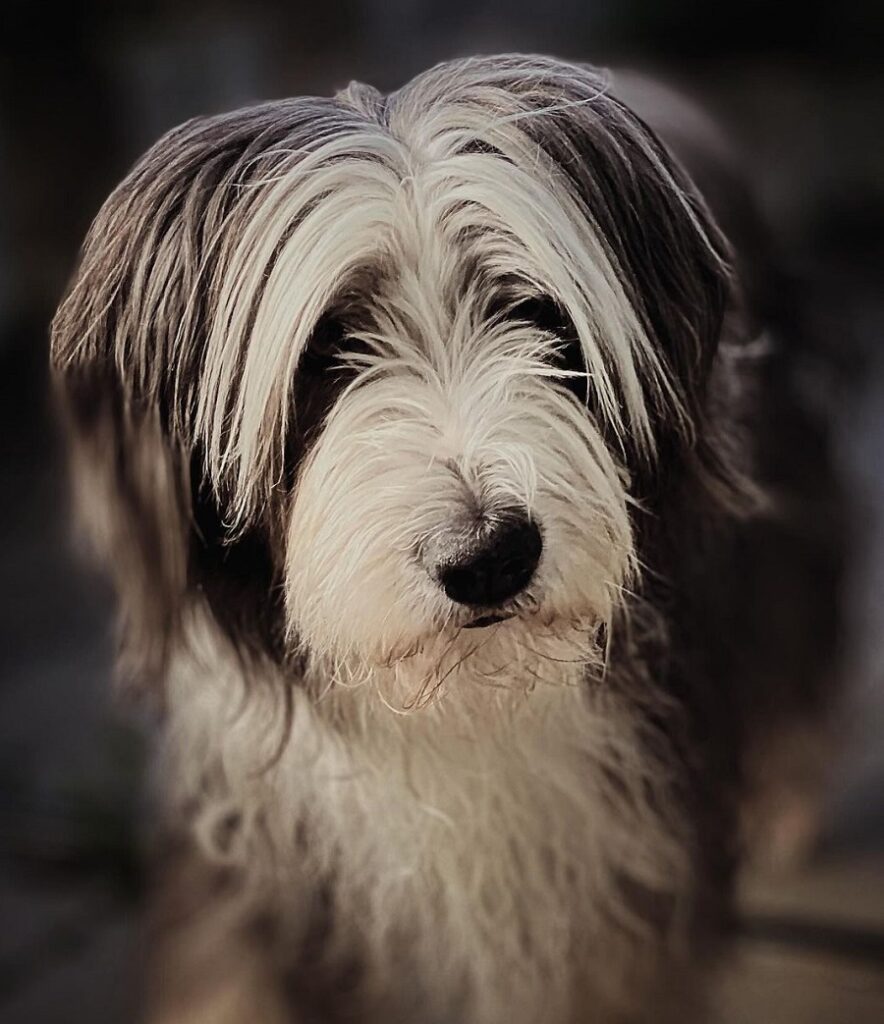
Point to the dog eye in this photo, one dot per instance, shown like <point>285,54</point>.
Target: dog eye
<point>544,312</point>
<point>322,374</point>
<point>325,346</point>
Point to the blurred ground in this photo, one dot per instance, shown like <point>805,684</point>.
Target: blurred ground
<point>83,92</point>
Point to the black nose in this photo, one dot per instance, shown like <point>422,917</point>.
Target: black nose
<point>498,566</point>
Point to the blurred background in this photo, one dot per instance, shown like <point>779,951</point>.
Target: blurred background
<point>84,88</point>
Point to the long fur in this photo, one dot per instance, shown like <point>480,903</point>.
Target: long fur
<point>311,347</point>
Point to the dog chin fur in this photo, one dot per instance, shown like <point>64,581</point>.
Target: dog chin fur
<point>315,347</point>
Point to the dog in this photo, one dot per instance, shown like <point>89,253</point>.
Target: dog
<point>417,432</point>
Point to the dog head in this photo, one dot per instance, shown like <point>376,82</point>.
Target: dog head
<point>360,374</point>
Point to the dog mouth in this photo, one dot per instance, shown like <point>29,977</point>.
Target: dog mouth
<point>488,620</point>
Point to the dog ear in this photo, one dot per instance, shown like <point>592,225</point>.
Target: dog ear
<point>131,501</point>
<point>114,348</point>
<point>126,355</point>
<point>671,257</point>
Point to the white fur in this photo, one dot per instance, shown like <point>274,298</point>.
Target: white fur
<point>404,458</point>
<point>461,838</point>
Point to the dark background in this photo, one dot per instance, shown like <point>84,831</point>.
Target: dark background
<point>85,87</point>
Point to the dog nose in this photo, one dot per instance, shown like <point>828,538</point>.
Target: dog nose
<point>496,568</point>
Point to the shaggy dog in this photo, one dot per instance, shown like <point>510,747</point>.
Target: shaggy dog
<point>416,433</point>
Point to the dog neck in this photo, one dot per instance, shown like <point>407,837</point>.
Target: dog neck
<point>475,840</point>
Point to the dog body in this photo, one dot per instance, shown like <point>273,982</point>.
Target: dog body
<point>415,432</point>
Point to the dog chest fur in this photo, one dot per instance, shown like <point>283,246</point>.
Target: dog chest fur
<point>480,858</point>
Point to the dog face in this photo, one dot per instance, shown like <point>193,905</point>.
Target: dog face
<point>374,376</point>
